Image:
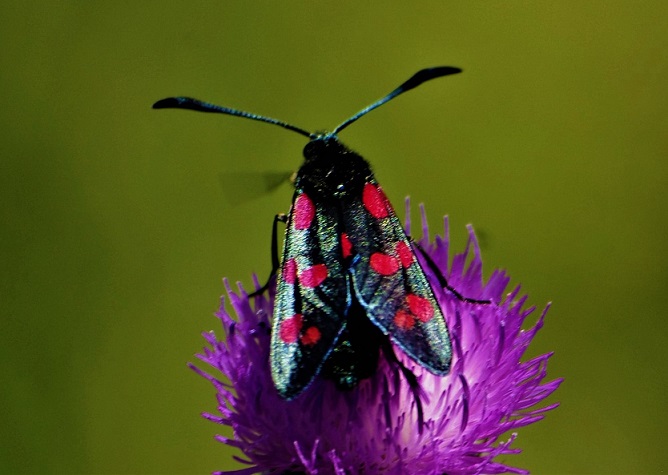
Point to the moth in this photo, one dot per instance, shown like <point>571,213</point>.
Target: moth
<point>350,281</point>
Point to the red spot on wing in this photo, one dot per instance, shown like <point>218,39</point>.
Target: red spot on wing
<point>404,320</point>
<point>290,328</point>
<point>290,271</point>
<point>383,263</point>
<point>375,201</point>
<point>311,336</point>
<point>346,245</point>
<point>313,276</point>
<point>421,307</point>
<point>405,254</point>
<point>303,212</point>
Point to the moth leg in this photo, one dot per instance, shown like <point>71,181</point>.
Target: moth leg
<point>441,278</point>
<point>283,218</point>
<point>413,383</point>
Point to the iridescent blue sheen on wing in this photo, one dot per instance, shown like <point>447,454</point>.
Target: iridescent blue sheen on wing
<point>390,284</point>
<point>312,297</point>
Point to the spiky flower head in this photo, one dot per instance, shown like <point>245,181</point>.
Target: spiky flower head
<point>373,429</point>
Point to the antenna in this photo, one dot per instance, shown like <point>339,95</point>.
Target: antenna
<point>194,104</point>
<point>415,80</point>
<point>201,106</point>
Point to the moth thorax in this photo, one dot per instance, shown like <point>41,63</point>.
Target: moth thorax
<point>331,170</point>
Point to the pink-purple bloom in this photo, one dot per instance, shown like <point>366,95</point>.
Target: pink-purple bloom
<point>373,429</point>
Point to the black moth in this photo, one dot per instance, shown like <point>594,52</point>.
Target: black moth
<point>349,276</point>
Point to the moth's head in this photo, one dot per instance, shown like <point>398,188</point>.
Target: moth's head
<point>324,145</point>
<point>331,170</point>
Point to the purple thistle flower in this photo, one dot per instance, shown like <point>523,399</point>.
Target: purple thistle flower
<point>373,428</point>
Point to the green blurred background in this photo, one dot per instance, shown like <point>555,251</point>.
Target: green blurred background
<point>116,230</point>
